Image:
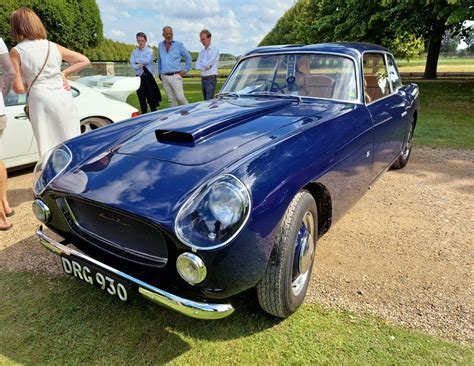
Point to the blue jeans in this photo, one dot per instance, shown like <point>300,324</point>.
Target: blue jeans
<point>208,84</point>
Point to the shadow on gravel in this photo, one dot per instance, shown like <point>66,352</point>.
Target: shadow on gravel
<point>442,166</point>
<point>28,255</point>
<point>17,196</point>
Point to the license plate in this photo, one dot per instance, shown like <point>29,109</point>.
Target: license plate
<point>93,275</point>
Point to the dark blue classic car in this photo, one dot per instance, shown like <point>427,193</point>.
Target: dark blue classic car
<point>191,205</point>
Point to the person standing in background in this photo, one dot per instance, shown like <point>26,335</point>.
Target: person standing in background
<point>7,75</point>
<point>37,61</point>
<point>141,58</point>
<point>207,62</point>
<point>170,53</point>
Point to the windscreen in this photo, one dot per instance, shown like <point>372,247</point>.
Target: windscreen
<point>306,75</point>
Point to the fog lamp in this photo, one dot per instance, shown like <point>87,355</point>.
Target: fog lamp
<point>41,211</point>
<point>191,268</point>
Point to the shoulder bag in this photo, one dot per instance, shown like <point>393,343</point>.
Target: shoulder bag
<point>26,109</point>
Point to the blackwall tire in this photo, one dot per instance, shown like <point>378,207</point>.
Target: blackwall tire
<point>285,282</point>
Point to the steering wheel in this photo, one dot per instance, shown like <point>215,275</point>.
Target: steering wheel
<point>272,84</point>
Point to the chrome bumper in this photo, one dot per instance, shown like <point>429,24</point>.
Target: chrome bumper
<point>187,307</point>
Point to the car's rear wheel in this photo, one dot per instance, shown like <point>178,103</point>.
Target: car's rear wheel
<point>285,282</point>
<point>402,160</point>
<point>93,123</point>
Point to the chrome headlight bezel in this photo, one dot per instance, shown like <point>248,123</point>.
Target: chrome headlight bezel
<point>50,166</point>
<point>199,199</point>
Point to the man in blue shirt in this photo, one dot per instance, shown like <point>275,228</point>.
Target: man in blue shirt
<point>170,53</point>
<point>142,57</point>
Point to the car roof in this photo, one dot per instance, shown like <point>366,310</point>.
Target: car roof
<point>353,49</point>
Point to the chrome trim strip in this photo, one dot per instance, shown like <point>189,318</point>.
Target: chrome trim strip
<point>184,306</point>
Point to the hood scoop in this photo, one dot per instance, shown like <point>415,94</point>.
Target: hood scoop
<point>197,125</point>
<point>170,136</point>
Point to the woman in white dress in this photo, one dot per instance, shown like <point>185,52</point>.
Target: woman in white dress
<point>52,111</point>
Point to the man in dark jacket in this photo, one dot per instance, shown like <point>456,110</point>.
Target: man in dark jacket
<point>141,61</point>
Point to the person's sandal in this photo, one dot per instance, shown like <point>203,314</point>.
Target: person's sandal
<point>10,214</point>
<point>6,228</point>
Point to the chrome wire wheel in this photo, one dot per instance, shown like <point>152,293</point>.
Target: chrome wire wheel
<point>304,254</point>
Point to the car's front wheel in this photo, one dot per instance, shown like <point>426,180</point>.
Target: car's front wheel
<point>285,282</point>
<point>93,123</point>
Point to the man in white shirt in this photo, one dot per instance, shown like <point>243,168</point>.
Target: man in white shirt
<point>7,75</point>
<point>207,62</point>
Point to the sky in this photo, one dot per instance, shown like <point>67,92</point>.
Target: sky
<point>236,25</point>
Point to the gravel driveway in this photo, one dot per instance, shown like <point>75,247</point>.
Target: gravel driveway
<point>404,252</point>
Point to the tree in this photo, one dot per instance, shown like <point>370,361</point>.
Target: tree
<point>430,20</point>
<point>401,25</point>
<point>341,21</point>
<point>286,29</point>
<point>75,24</point>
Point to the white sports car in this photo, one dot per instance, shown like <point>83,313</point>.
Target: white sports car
<point>99,100</point>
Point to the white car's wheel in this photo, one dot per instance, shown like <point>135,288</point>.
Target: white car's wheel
<point>92,123</point>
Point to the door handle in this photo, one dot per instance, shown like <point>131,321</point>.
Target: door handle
<point>404,113</point>
<point>21,116</point>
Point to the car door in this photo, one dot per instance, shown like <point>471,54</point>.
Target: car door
<point>18,141</point>
<point>386,107</point>
<point>402,100</point>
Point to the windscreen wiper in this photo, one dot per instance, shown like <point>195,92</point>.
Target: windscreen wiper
<point>228,94</point>
<point>276,95</point>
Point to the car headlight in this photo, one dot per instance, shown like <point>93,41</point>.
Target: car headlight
<point>50,166</point>
<point>214,214</point>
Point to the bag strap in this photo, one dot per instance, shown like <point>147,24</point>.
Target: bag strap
<point>42,68</point>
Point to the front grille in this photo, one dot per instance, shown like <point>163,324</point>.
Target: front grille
<point>118,231</point>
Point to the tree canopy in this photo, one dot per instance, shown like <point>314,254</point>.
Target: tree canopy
<point>404,26</point>
<point>75,24</point>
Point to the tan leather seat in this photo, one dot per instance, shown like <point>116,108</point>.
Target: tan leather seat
<point>372,88</point>
<point>318,86</point>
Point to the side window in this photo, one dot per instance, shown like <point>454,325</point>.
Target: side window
<point>376,82</point>
<point>74,92</point>
<point>393,74</point>
<point>326,76</point>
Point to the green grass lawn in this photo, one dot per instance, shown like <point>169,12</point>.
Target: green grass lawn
<point>60,320</point>
<point>446,117</point>
<point>192,90</point>
<point>445,64</point>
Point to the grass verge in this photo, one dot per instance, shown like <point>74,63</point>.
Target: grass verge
<point>60,320</point>
<point>446,117</point>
